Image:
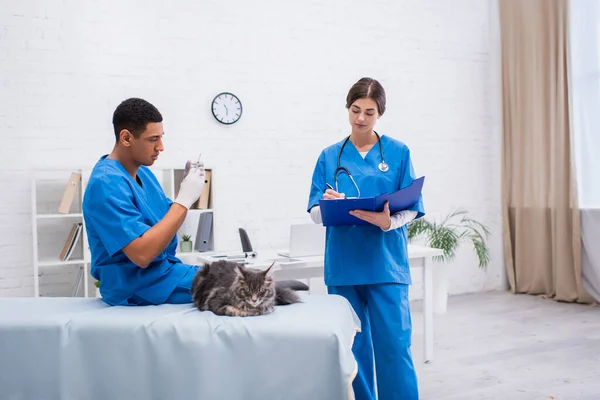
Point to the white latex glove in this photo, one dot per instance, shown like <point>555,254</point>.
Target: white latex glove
<point>191,185</point>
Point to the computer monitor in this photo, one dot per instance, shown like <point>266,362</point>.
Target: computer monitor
<point>306,240</point>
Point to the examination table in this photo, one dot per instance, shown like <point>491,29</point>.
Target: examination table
<point>81,348</point>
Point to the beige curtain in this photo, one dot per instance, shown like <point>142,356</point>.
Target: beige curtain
<point>542,244</point>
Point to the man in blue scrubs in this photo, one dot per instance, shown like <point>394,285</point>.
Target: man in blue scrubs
<point>130,222</point>
<point>368,264</point>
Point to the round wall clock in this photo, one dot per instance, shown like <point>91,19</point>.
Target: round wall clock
<point>226,108</point>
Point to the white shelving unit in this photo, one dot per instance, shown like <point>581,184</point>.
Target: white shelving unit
<point>170,179</point>
<point>50,228</point>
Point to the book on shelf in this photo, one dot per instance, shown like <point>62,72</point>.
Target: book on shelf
<point>202,202</point>
<point>71,241</point>
<point>70,192</point>
<point>203,235</point>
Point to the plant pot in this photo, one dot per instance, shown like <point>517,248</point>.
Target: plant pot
<point>185,246</point>
<point>98,295</point>
<point>440,288</point>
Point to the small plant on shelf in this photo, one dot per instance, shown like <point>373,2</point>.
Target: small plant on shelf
<point>186,243</point>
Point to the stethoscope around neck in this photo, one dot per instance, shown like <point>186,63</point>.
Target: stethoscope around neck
<point>383,166</point>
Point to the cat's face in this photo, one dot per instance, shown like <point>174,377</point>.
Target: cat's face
<point>254,287</point>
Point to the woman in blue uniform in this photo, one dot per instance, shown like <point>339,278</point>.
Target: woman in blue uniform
<point>130,222</point>
<point>368,264</point>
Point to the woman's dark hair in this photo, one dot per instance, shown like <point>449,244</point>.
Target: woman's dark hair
<point>134,115</point>
<point>367,88</point>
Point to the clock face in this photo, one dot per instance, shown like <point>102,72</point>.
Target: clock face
<point>227,108</point>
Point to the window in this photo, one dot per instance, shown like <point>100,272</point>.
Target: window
<point>585,98</point>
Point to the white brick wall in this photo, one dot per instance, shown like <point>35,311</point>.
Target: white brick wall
<point>65,66</point>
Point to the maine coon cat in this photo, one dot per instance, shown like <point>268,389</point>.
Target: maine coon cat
<point>228,288</point>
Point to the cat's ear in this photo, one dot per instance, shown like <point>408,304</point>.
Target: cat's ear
<point>239,271</point>
<point>269,271</point>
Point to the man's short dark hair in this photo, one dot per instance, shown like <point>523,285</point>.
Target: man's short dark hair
<point>134,115</point>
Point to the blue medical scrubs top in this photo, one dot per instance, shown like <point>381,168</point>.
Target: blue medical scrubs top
<point>117,210</point>
<point>365,254</point>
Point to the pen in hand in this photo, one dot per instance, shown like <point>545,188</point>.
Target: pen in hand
<point>332,196</point>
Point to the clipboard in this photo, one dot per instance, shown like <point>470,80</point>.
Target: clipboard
<point>337,212</point>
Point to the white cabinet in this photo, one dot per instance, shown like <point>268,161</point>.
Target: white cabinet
<point>50,232</point>
<point>170,180</point>
<point>56,276</point>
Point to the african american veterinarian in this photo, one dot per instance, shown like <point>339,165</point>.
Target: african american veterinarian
<point>130,222</point>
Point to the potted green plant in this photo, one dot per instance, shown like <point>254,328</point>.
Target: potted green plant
<point>97,284</point>
<point>447,235</point>
<point>186,244</point>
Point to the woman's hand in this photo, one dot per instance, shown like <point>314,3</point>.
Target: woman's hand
<point>332,195</point>
<point>381,219</point>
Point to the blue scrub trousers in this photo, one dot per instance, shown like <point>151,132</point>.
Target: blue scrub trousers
<point>384,312</point>
<point>182,294</point>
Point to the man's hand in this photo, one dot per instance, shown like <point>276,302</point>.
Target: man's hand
<point>381,219</point>
<point>191,185</point>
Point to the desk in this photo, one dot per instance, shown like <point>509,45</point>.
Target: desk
<point>313,267</point>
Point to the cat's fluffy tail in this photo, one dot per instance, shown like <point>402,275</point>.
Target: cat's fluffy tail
<point>285,296</point>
